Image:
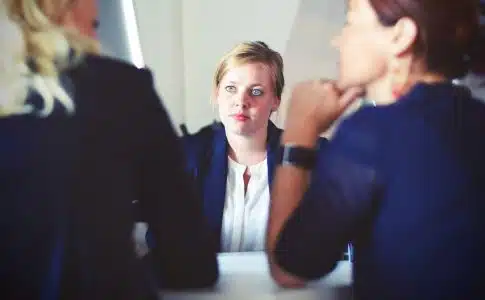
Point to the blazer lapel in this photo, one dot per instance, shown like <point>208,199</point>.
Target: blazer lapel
<point>273,139</point>
<point>215,181</point>
<point>214,185</point>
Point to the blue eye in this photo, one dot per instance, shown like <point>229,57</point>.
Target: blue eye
<point>256,92</point>
<point>230,89</point>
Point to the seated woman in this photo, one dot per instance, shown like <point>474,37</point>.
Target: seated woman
<point>402,180</point>
<point>233,161</point>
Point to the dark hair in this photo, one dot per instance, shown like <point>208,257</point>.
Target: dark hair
<point>448,31</point>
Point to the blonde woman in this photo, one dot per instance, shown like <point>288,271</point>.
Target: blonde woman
<point>82,136</point>
<point>233,161</point>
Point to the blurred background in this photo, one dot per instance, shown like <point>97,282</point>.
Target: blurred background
<point>181,41</point>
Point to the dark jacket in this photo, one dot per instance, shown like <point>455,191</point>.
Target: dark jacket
<point>207,162</point>
<point>406,184</point>
<point>66,189</point>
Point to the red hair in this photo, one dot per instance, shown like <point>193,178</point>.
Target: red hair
<point>448,31</point>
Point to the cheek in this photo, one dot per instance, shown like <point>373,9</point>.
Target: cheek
<point>374,60</point>
<point>84,17</point>
<point>361,59</point>
<point>221,106</point>
<point>263,110</point>
<point>348,51</point>
<point>224,104</point>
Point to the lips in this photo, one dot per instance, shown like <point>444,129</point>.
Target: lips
<point>240,117</point>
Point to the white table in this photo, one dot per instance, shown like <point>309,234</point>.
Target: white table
<point>246,276</point>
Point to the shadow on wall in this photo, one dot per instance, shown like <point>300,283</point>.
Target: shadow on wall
<point>308,53</point>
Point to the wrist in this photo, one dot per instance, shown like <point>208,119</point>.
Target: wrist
<point>305,137</point>
<point>303,157</point>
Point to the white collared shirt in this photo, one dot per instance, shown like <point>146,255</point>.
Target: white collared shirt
<point>245,214</point>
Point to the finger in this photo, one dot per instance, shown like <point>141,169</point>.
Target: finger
<point>349,96</point>
<point>331,89</point>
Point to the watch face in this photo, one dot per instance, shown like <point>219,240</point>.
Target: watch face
<point>367,102</point>
<point>302,157</point>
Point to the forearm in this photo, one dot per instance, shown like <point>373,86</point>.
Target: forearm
<point>314,106</point>
<point>289,186</point>
<point>287,191</point>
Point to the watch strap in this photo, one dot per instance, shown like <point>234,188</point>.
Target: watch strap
<point>298,156</point>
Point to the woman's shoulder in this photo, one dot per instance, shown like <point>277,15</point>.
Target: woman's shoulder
<point>360,135</point>
<point>109,64</point>
<point>203,135</point>
<point>200,143</point>
<point>110,73</point>
<point>108,83</point>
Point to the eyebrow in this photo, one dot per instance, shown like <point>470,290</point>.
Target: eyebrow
<point>251,85</point>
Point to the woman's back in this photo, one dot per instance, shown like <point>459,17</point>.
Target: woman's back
<point>428,156</point>
<point>68,183</point>
<point>34,175</point>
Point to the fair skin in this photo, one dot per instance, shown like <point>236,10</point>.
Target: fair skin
<point>385,53</point>
<point>245,99</point>
<point>77,14</point>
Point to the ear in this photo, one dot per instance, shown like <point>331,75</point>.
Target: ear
<point>276,103</point>
<point>214,95</point>
<point>404,35</point>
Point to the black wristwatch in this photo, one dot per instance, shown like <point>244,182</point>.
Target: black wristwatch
<point>298,156</point>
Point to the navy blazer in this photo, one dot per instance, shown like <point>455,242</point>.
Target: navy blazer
<point>406,184</point>
<point>207,162</point>
<point>66,189</point>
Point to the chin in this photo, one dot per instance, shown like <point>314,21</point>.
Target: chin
<point>240,129</point>
<point>247,129</point>
<point>344,84</point>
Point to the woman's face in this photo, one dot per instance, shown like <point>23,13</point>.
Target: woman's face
<point>79,14</point>
<point>362,46</point>
<point>245,98</point>
<point>85,16</point>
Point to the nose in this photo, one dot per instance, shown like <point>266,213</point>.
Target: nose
<point>242,99</point>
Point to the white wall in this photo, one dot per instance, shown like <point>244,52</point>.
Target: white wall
<point>308,53</point>
<point>182,41</point>
<point>112,30</point>
<point>212,27</point>
<point>160,31</point>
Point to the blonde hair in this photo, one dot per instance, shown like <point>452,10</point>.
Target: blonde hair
<point>252,52</point>
<point>35,50</point>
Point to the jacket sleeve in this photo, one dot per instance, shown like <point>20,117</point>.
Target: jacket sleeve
<point>182,252</point>
<point>337,204</point>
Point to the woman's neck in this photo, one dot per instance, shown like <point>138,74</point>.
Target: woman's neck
<point>381,92</point>
<point>247,150</point>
